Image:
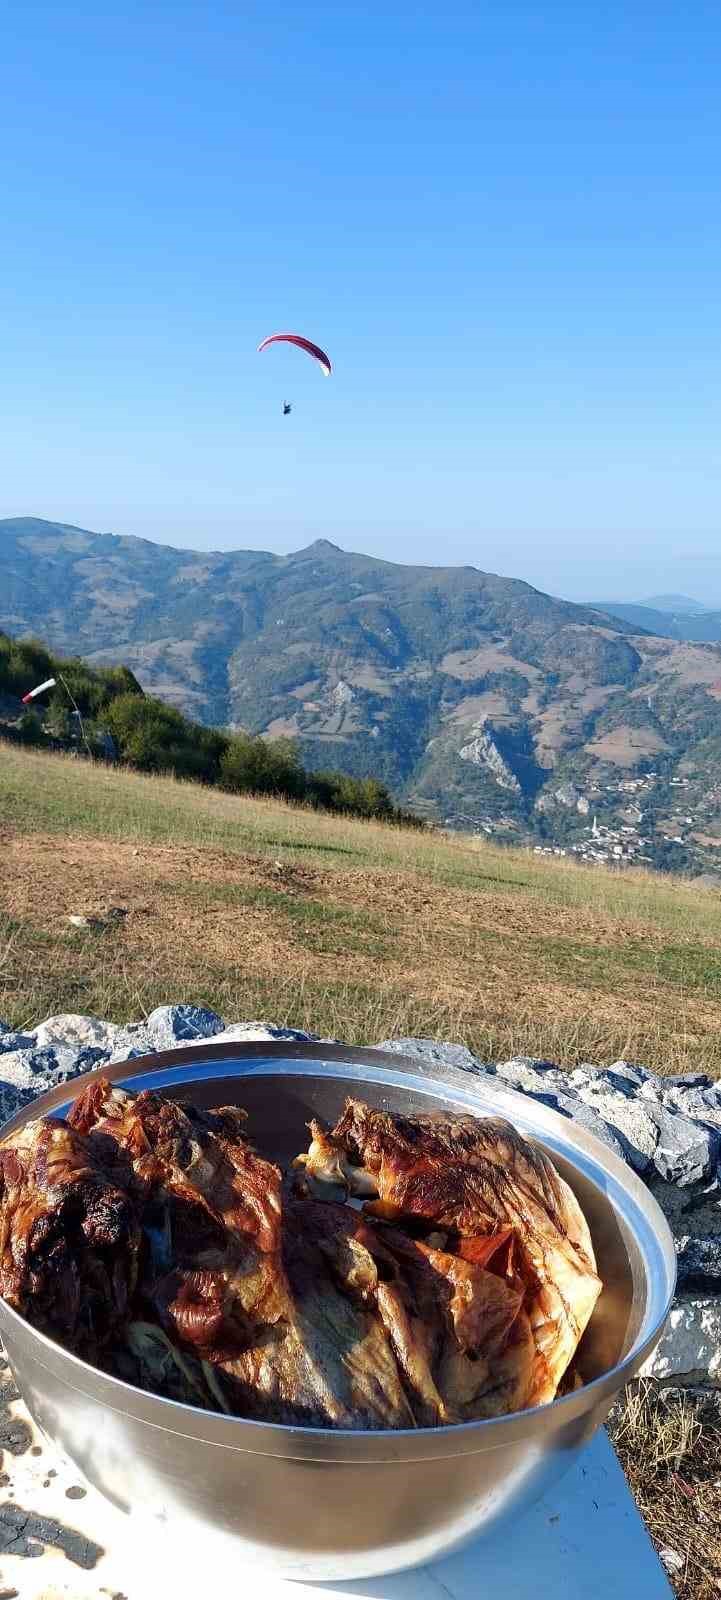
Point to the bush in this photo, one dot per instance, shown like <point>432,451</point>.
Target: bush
<point>357,797</point>
<point>156,738</point>
<point>30,729</point>
<point>23,664</point>
<point>251,765</point>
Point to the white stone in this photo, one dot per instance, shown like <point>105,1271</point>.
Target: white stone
<point>690,1347</point>
<point>629,1118</point>
<point>246,1032</point>
<point>74,1032</point>
<point>435,1054</point>
<point>532,1076</point>
<point>169,1026</point>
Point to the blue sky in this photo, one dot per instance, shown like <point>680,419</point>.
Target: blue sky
<point>503,222</point>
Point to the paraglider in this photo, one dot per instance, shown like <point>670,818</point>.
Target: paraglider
<point>311,349</point>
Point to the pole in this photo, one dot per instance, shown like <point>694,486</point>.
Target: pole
<point>77,711</point>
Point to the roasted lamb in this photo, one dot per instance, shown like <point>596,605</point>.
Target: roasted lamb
<point>69,1236</point>
<point>484,1193</point>
<point>406,1272</point>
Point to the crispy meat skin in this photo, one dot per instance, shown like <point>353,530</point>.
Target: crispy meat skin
<point>153,1240</point>
<point>211,1214</point>
<point>473,1178</point>
<point>331,1361</point>
<point>287,1339</point>
<point>69,1236</point>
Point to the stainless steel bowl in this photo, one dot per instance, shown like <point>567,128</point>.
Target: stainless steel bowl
<point>312,1503</point>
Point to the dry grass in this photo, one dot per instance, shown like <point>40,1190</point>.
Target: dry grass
<point>346,928</point>
<point>671,1454</point>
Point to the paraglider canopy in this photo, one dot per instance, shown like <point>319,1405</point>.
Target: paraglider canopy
<point>311,349</point>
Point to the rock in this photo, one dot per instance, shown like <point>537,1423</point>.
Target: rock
<point>673,1562</point>
<point>16,1041</point>
<point>690,1347</point>
<point>687,1080</point>
<point>484,752</point>
<point>435,1056</point>
<point>139,1039</point>
<point>77,1032</point>
<point>169,1026</point>
<point>4,1027</point>
<point>620,1078</point>
<point>699,1263</point>
<point>571,1106</point>
<point>696,1210</point>
<point>98,923</point>
<point>686,1152</point>
<point>12,1099</point>
<point>127,1052</point>
<point>567,795</point>
<point>29,1073</point>
<point>531,1075</point>
<point>246,1032</point>
<point>630,1119</point>
<point>701,1104</point>
<point>132,1040</point>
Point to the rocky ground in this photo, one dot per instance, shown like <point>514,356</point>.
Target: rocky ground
<point>668,1130</point>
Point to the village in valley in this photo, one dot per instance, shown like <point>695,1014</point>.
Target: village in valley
<point>647,820</point>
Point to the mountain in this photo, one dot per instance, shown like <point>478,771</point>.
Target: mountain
<point>676,604</point>
<point>699,625</point>
<point>481,701</point>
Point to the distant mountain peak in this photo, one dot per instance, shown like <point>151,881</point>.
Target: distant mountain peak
<point>321,547</point>
<point>674,602</point>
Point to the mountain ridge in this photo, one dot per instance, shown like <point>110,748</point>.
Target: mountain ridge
<point>440,681</point>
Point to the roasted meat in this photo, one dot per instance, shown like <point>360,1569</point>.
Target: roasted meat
<point>331,1361</point>
<point>483,1192</point>
<point>254,1310</point>
<point>406,1272</point>
<point>210,1209</point>
<point>69,1236</point>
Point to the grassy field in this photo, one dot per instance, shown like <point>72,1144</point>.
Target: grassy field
<point>346,928</point>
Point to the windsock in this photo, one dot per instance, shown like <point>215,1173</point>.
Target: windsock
<point>48,684</point>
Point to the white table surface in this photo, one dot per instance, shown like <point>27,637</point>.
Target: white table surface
<point>584,1541</point>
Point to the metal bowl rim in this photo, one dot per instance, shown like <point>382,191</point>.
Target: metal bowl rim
<point>394,1065</point>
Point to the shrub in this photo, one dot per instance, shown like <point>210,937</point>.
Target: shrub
<point>251,765</point>
<point>157,738</point>
<point>29,729</point>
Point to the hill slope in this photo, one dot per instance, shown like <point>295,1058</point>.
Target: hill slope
<point>348,929</point>
<point>479,699</point>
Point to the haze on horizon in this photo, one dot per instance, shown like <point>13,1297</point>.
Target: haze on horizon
<point>503,225</point>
